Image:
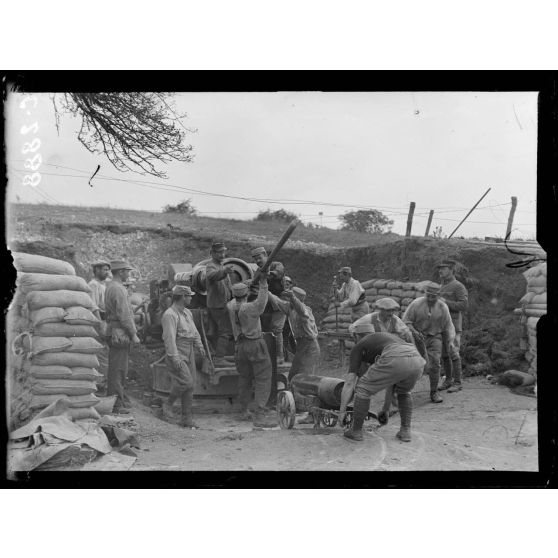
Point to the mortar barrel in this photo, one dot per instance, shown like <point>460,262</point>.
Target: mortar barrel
<point>329,391</point>
<point>306,384</point>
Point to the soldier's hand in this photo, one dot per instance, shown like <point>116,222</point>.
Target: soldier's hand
<point>229,270</point>
<point>136,339</point>
<point>287,294</point>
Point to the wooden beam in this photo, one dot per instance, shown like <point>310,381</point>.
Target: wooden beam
<point>429,222</point>
<point>470,211</point>
<point>410,218</point>
<point>510,218</point>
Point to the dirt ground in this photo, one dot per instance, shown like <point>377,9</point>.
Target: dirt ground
<point>484,427</point>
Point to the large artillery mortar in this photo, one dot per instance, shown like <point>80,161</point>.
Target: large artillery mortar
<point>319,395</point>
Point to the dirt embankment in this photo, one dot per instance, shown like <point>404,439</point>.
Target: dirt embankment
<point>491,339</point>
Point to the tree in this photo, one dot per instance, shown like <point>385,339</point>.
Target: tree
<point>184,207</point>
<point>134,130</point>
<point>278,215</point>
<point>365,220</point>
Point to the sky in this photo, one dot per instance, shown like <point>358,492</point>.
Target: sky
<point>337,151</point>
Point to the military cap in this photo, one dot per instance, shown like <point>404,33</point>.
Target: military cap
<point>99,263</point>
<point>447,263</point>
<point>182,290</point>
<point>117,265</point>
<point>431,288</point>
<point>346,269</point>
<point>217,246</point>
<point>387,304</point>
<point>260,250</point>
<point>239,289</point>
<point>299,291</point>
<point>364,328</point>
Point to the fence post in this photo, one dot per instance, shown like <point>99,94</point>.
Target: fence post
<point>510,218</point>
<point>429,222</point>
<point>410,219</point>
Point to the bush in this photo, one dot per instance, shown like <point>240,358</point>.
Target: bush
<point>278,215</point>
<point>184,207</point>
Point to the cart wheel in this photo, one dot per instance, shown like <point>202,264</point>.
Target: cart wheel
<point>328,419</point>
<point>348,420</point>
<point>286,409</point>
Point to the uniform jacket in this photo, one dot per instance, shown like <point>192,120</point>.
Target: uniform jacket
<point>217,284</point>
<point>118,309</point>
<point>456,297</point>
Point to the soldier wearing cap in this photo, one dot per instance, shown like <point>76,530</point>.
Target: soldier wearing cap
<point>276,287</point>
<point>431,318</point>
<point>305,332</point>
<point>385,320</point>
<point>350,295</point>
<point>251,355</point>
<point>181,337</point>
<point>455,295</point>
<point>101,271</point>
<point>218,286</point>
<point>121,332</point>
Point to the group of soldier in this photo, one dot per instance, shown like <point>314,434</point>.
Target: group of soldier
<point>390,353</point>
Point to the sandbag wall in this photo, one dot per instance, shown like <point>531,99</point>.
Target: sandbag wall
<point>54,333</point>
<point>533,306</point>
<point>402,292</point>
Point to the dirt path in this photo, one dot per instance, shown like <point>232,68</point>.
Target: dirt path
<point>484,427</point>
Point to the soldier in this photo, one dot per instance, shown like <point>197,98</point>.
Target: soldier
<point>305,334</point>
<point>351,294</point>
<point>181,337</point>
<point>218,286</point>
<point>455,295</point>
<point>431,318</point>
<point>101,271</point>
<point>251,355</point>
<point>385,320</point>
<point>395,365</point>
<point>121,332</point>
<point>276,287</point>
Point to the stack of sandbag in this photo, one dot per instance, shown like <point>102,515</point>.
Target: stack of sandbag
<point>59,342</point>
<point>533,306</point>
<point>402,292</point>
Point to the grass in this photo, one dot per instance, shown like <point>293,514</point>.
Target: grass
<point>31,217</point>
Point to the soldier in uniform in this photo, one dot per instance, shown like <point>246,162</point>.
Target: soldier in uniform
<point>218,286</point>
<point>455,295</point>
<point>431,318</point>
<point>351,294</point>
<point>181,337</point>
<point>251,356</point>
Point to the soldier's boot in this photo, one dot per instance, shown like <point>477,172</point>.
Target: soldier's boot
<point>360,410</point>
<point>167,405</point>
<point>406,412</point>
<point>279,348</point>
<point>457,371</point>
<point>448,369</point>
<point>434,395</point>
<point>187,419</point>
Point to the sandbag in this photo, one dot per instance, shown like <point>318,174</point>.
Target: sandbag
<point>532,322</point>
<point>67,386</point>
<point>394,285</point>
<point>533,306</point>
<point>76,401</point>
<point>85,374</point>
<point>83,413</point>
<point>31,263</point>
<point>409,294</point>
<point>368,284</point>
<point>41,345</point>
<point>397,292</point>
<point>64,330</point>
<point>526,298</point>
<point>371,291</point>
<point>28,282</point>
<point>536,290</point>
<point>538,299</point>
<point>86,345</point>
<point>50,372</point>
<point>534,313</point>
<point>77,315</point>
<point>408,286</point>
<point>47,315</point>
<point>67,359</point>
<point>138,298</point>
<point>384,292</point>
<point>62,298</point>
<point>380,283</point>
<point>537,281</point>
<point>406,301</point>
